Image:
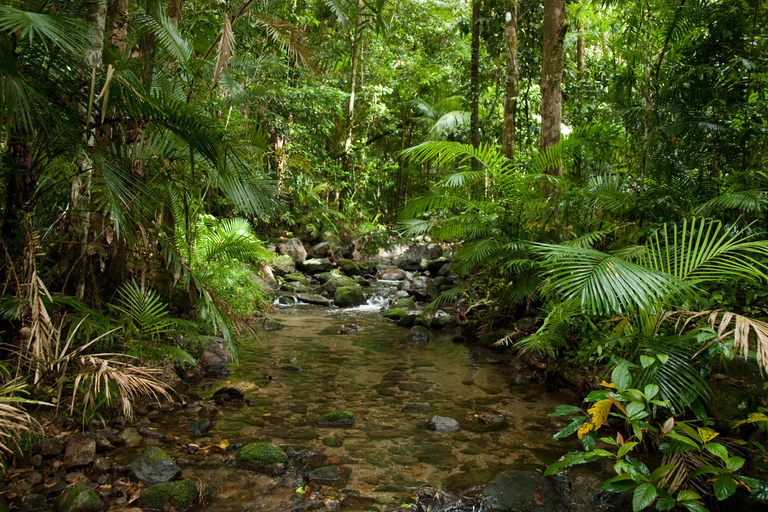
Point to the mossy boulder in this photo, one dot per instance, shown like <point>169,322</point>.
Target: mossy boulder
<point>395,314</point>
<point>404,303</point>
<point>337,419</point>
<point>79,499</point>
<point>349,267</point>
<point>296,277</point>
<point>266,457</point>
<point>324,277</point>
<point>295,287</point>
<point>407,320</point>
<point>337,282</point>
<point>173,496</point>
<point>315,265</point>
<point>348,296</point>
<point>367,267</point>
<point>154,466</point>
<point>270,325</point>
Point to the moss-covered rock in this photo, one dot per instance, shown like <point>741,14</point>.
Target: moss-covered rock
<point>296,277</point>
<point>173,496</point>
<point>324,277</point>
<point>367,268</point>
<point>408,320</point>
<point>337,419</point>
<point>404,303</point>
<point>270,325</point>
<point>266,457</point>
<point>295,287</point>
<point>347,296</point>
<point>154,466</point>
<point>79,499</point>
<point>349,267</point>
<point>337,282</point>
<point>395,314</point>
<point>315,265</point>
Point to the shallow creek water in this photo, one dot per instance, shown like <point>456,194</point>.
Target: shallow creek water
<point>393,387</point>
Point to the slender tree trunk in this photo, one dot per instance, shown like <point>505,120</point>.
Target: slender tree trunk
<point>580,51</point>
<point>511,77</point>
<point>353,80</point>
<point>80,192</point>
<point>474,82</point>
<point>118,16</point>
<point>555,27</point>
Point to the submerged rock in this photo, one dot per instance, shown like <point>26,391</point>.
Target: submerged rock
<point>337,419</point>
<point>418,334</point>
<point>324,474</point>
<point>348,296</point>
<point>79,499</point>
<point>407,320</point>
<point>198,427</point>
<point>523,491</point>
<point>266,457</point>
<point>228,394</point>
<point>349,329</point>
<point>173,496</point>
<point>271,325</point>
<point>154,466</point>
<point>443,424</point>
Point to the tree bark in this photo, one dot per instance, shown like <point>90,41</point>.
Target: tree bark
<point>580,51</point>
<point>474,82</point>
<point>353,80</point>
<point>511,78</point>
<point>555,27</point>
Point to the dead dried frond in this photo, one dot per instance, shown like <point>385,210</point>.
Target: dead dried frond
<point>111,377</point>
<point>225,49</point>
<point>727,325</point>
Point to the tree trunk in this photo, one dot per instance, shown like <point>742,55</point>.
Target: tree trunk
<point>555,27</point>
<point>580,51</point>
<point>511,89</point>
<point>474,82</point>
<point>353,80</point>
<point>118,16</point>
<point>80,192</point>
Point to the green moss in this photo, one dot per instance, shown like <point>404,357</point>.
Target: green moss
<point>347,296</point>
<point>337,419</point>
<point>324,474</point>
<point>154,466</point>
<point>349,267</point>
<point>177,496</point>
<point>296,277</point>
<point>404,303</point>
<point>395,314</point>
<point>79,499</point>
<point>263,457</point>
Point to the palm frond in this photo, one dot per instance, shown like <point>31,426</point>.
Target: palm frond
<point>67,33</point>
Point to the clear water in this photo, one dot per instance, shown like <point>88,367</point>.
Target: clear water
<point>393,387</point>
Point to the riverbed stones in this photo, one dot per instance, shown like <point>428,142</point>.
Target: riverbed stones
<point>367,268</point>
<point>348,296</point>
<point>349,329</point>
<point>523,491</point>
<point>313,298</point>
<point>315,265</point>
<point>50,447</point>
<point>266,457</point>
<point>154,466</point>
<point>228,394</point>
<point>407,320</point>
<point>434,266</point>
<point>80,451</point>
<point>337,282</point>
<point>214,359</point>
<point>418,287</point>
<point>442,424</point>
<point>79,499</point>
<point>173,496</point>
<point>418,334</point>
<point>442,320</point>
<point>337,419</point>
<point>130,437</point>
<point>294,249</point>
<point>349,267</point>
<point>33,502</point>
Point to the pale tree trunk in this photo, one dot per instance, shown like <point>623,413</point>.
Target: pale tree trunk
<point>353,80</point>
<point>555,27</point>
<point>580,51</point>
<point>80,192</point>
<point>118,21</point>
<point>512,73</point>
<point>474,82</point>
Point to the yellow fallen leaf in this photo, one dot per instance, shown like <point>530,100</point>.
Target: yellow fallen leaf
<point>608,384</point>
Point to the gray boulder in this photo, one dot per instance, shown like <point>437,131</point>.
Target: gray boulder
<point>321,250</point>
<point>80,451</point>
<point>442,320</point>
<point>295,287</point>
<point>313,298</point>
<point>348,296</point>
<point>443,424</point>
<point>154,466</point>
<point>315,265</point>
<point>294,249</point>
<point>391,274</point>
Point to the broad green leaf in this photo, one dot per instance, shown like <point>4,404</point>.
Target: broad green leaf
<point>661,471</point>
<point>620,377</point>
<point>687,495</point>
<point>707,470</point>
<point>663,358</point>
<point>724,487</point>
<point>694,507</point>
<point>650,391</point>
<point>647,361</point>
<point>643,497</point>
<point>666,503</point>
<point>634,408</point>
<point>717,450</point>
<point>566,410</point>
<point>626,448</point>
<point>734,463</point>
<point>572,427</point>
